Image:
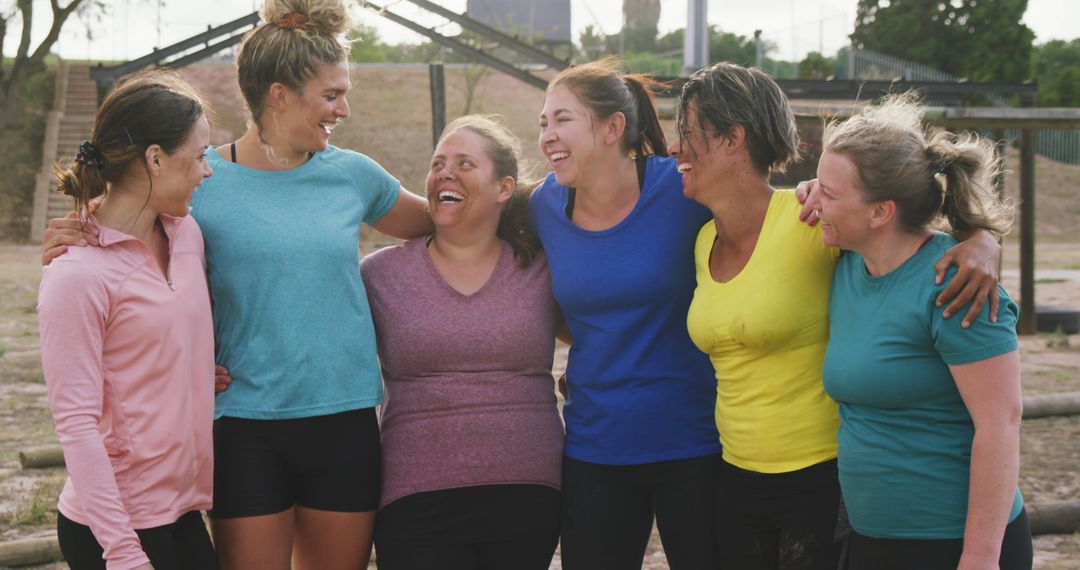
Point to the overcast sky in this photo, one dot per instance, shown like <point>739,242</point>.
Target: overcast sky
<point>134,27</point>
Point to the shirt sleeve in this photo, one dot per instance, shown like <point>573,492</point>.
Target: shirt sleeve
<point>982,339</point>
<point>378,187</point>
<point>72,309</point>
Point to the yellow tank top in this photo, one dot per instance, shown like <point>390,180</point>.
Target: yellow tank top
<point>765,331</point>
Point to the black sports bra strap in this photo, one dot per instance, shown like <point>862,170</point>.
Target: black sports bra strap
<point>232,151</point>
<point>639,162</point>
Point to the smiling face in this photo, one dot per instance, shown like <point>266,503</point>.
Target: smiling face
<point>845,215</point>
<point>181,172</point>
<point>567,136</point>
<point>463,189</point>
<point>700,157</point>
<point>314,111</point>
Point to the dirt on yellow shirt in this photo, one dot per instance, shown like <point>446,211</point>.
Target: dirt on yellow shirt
<point>765,331</point>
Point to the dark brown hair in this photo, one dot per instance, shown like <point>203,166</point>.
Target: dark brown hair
<point>294,40</point>
<point>143,109</point>
<point>504,150</point>
<point>726,95</point>
<point>605,90</point>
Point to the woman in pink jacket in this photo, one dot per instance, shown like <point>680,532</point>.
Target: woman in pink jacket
<point>126,338</point>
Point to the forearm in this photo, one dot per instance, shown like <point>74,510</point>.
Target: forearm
<point>995,467</point>
<point>99,498</point>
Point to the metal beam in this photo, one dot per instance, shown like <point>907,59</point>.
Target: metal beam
<point>506,40</point>
<point>468,51</point>
<point>106,75</point>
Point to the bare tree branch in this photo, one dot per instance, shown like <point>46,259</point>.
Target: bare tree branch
<point>60,15</point>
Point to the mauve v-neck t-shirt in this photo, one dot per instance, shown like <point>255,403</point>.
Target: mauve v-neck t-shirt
<point>469,391</point>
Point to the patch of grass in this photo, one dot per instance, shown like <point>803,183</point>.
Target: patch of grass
<point>39,506</point>
<point>1049,281</point>
<point>3,349</point>
<point>1057,340</point>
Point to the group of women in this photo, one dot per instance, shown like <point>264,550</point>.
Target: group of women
<point>692,322</point>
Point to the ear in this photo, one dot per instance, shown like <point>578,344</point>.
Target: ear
<point>735,139</point>
<point>506,189</point>
<point>277,97</point>
<point>152,156</point>
<point>614,128</point>
<point>882,214</point>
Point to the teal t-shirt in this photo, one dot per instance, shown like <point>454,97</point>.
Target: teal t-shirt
<point>905,435</point>
<point>291,318</point>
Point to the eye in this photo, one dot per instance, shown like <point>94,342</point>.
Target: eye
<point>436,165</point>
<point>465,164</point>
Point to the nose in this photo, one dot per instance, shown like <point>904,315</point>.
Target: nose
<point>207,171</point>
<point>675,148</point>
<point>547,136</point>
<point>343,108</point>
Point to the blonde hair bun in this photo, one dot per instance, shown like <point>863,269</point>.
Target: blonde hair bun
<point>329,17</point>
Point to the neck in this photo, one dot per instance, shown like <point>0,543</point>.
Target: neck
<point>465,247</point>
<point>612,188</point>
<point>126,209</point>
<point>268,152</point>
<point>890,248</point>
<point>739,210</point>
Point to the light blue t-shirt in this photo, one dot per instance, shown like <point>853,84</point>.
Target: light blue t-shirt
<point>905,434</point>
<point>640,391</point>
<point>291,318</point>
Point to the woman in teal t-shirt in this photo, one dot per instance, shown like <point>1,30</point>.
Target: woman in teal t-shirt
<point>930,410</point>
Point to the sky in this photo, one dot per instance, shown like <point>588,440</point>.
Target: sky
<point>135,27</point>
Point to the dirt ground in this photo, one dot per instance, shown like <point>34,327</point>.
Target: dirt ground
<point>1050,447</point>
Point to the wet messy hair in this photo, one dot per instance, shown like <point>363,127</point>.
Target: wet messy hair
<point>504,151</point>
<point>296,38</point>
<point>143,109</point>
<point>726,95</point>
<point>603,87</point>
<point>935,177</point>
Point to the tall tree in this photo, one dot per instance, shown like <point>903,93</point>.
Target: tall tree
<point>28,61</point>
<point>1057,70</point>
<point>640,21</point>
<point>983,40</point>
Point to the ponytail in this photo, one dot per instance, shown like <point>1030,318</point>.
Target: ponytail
<point>931,176</point>
<point>649,136</point>
<point>605,90</point>
<point>967,166</point>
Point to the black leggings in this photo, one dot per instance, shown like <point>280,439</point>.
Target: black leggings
<point>182,545</point>
<point>866,553</point>
<point>485,527</point>
<point>779,521</point>
<point>608,510</point>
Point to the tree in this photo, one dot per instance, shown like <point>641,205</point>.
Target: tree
<point>366,46</point>
<point>640,20</point>
<point>592,42</point>
<point>726,46</point>
<point>983,40</point>
<point>28,61</point>
<point>1056,65</point>
<point>815,66</point>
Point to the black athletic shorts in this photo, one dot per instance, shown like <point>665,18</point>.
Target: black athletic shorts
<point>328,463</point>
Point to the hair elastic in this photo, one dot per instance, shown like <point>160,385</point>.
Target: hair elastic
<point>90,155</point>
<point>293,21</point>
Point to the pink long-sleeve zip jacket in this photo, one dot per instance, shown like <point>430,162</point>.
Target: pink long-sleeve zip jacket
<point>128,356</point>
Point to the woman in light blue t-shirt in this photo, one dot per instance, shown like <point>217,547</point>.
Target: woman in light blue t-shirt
<point>930,409</point>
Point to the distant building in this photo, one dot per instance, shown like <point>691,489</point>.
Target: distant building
<point>540,20</point>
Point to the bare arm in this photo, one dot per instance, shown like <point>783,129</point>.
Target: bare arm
<point>64,232</point>
<point>991,391</point>
<point>407,219</point>
<point>978,258</point>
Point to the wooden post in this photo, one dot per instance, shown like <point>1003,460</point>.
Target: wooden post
<point>438,101</point>
<point>41,458</point>
<point>1026,323</point>
<point>30,551</point>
